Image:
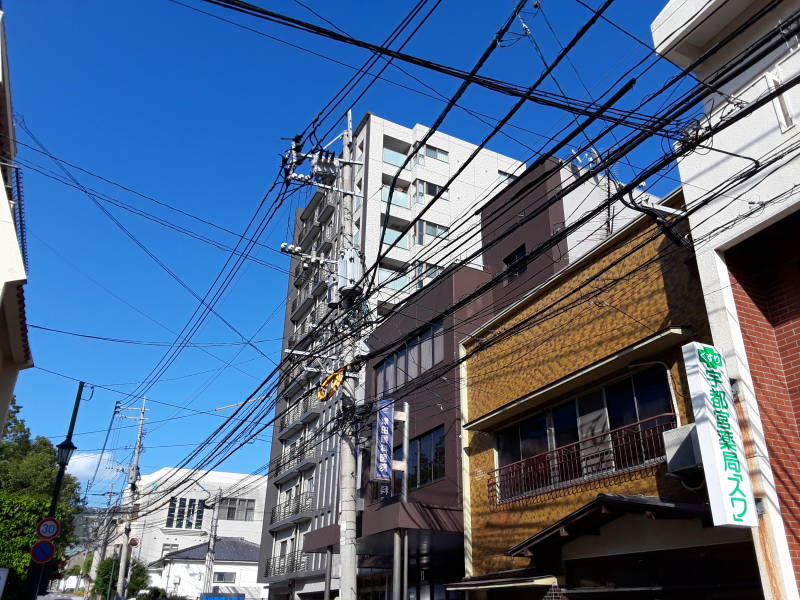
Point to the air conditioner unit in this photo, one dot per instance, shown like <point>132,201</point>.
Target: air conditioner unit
<point>682,449</point>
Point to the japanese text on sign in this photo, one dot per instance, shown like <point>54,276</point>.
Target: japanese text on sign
<point>384,434</point>
<point>721,446</point>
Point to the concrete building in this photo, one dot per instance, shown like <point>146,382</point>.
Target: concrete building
<point>182,572</point>
<point>185,521</point>
<point>15,353</point>
<point>301,511</point>
<point>746,246</point>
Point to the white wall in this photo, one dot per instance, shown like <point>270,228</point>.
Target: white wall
<point>186,578</point>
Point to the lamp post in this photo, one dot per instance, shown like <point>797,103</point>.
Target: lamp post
<point>64,452</point>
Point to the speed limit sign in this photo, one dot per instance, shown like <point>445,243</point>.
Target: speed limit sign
<point>48,528</point>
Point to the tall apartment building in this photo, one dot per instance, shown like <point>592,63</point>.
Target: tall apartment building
<point>15,353</point>
<point>302,502</point>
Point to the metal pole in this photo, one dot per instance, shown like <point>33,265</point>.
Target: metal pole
<point>404,495</point>
<point>212,542</point>
<point>328,567</point>
<point>397,564</point>
<point>133,476</point>
<point>36,570</point>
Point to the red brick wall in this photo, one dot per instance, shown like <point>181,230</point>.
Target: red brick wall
<point>765,277</point>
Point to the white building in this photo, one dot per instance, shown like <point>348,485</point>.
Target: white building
<point>185,521</point>
<point>746,244</point>
<point>15,353</point>
<point>182,572</point>
<point>302,500</point>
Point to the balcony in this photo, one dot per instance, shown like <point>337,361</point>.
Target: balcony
<point>289,563</point>
<point>292,511</point>
<point>320,284</point>
<point>300,307</point>
<point>399,198</point>
<point>393,157</point>
<point>324,210</point>
<point>628,448</point>
<point>292,462</point>
<point>296,415</point>
<point>305,237</point>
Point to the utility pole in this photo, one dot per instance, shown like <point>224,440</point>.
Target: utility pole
<point>349,273</point>
<point>64,453</point>
<point>133,477</point>
<point>212,542</point>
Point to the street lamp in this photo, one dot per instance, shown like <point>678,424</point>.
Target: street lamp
<point>64,452</point>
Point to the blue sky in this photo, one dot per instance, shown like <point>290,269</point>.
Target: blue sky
<point>191,111</point>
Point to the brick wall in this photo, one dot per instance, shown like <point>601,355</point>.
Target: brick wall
<point>765,278</point>
<point>616,299</point>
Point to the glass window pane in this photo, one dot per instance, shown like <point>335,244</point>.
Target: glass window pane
<point>652,392</point>
<point>181,512</point>
<point>591,415</point>
<point>430,151</point>
<point>426,351</point>
<point>412,358</point>
<point>413,463</point>
<point>565,424</point>
<point>438,343</point>
<point>171,511</point>
<point>438,453</point>
<point>425,459</point>
<point>400,365</point>
<point>533,436</point>
<point>379,380</point>
<point>389,374</point>
<point>190,513</point>
<point>620,403</point>
<point>198,520</point>
<point>508,446</point>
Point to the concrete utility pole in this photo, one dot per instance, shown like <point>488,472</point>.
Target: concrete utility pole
<point>212,542</point>
<point>133,477</point>
<point>349,273</point>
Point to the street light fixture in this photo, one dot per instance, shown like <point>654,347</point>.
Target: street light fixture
<point>64,452</point>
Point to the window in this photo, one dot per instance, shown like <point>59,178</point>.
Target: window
<point>415,357</point>
<point>185,513</point>
<point>426,272</point>
<point>224,577</point>
<point>504,177</point>
<point>436,153</point>
<point>393,235</point>
<point>425,460</point>
<point>399,198</point>
<point>611,428</point>
<point>237,509</point>
<point>393,157</point>
<point>515,263</point>
<point>426,228</point>
<point>167,548</point>
<point>392,279</point>
<point>425,188</point>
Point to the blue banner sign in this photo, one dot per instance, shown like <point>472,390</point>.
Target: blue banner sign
<point>384,430</point>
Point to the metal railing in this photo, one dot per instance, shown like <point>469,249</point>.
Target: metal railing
<point>288,563</point>
<point>291,459</point>
<point>634,446</point>
<point>300,503</point>
<point>296,411</point>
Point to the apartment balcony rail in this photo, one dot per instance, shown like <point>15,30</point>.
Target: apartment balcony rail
<point>284,466</point>
<point>296,415</point>
<point>288,563</point>
<point>399,198</point>
<point>299,504</point>
<point>613,452</point>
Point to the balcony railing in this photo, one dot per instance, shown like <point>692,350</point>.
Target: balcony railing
<point>291,459</point>
<point>300,503</point>
<point>296,411</point>
<point>288,563</point>
<point>399,198</point>
<point>628,448</point>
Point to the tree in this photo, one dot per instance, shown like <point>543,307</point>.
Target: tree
<point>27,473</point>
<point>107,573</point>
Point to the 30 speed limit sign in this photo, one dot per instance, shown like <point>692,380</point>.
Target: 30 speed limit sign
<point>48,528</point>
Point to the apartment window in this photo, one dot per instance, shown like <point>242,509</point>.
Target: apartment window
<point>415,357</point>
<point>431,230</point>
<point>393,235</point>
<point>426,272</point>
<point>504,177</point>
<point>224,577</point>
<point>780,102</point>
<point>614,427</point>
<point>393,157</point>
<point>185,513</point>
<point>436,153</point>
<point>237,509</point>
<point>399,198</point>
<point>515,263</point>
<point>392,279</point>
<point>426,188</point>
<point>167,548</point>
<point>425,459</point>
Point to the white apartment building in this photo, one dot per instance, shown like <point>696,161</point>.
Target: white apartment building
<point>184,521</point>
<point>15,353</point>
<point>746,244</point>
<point>301,511</point>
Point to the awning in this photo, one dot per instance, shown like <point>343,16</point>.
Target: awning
<point>517,578</point>
<point>602,510</point>
<point>648,347</point>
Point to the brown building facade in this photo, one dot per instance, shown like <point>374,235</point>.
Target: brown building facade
<point>567,398</point>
